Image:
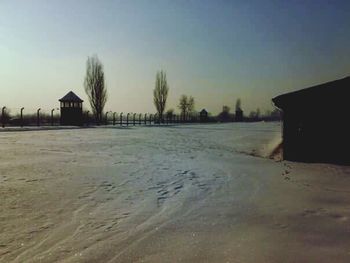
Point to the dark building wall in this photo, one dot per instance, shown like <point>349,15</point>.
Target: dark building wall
<point>72,116</point>
<point>316,123</point>
<point>316,135</point>
<point>203,116</point>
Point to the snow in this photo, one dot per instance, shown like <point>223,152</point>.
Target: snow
<point>187,193</point>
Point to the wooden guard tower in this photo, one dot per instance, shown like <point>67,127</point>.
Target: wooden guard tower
<point>71,110</point>
<point>203,115</point>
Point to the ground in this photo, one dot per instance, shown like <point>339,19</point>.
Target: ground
<point>190,193</point>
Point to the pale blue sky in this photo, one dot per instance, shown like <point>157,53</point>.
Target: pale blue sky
<point>215,51</point>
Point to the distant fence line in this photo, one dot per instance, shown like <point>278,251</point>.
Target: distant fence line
<point>110,118</point>
<point>39,117</point>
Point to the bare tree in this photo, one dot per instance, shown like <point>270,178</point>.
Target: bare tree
<point>160,93</point>
<point>190,105</point>
<point>186,105</point>
<point>183,105</point>
<point>226,109</point>
<point>238,105</point>
<point>169,113</point>
<point>95,89</point>
<point>239,111</point>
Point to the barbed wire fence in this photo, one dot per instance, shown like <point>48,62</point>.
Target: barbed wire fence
<point>24,116</point>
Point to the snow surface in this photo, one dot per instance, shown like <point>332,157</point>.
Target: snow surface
<point>189,193</point>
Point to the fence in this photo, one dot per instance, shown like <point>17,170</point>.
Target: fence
<point>51,118</point>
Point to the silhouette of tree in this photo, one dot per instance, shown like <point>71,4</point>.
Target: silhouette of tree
<point>183,105</point>
<point>226,109</point>
<point>160,93</point>
<point>190,105</point>
<point>255,115</point>
<point>95,89</point>
<point>170,112</point>
<point>238,105</point>
<point>239,111</point>
<point>186,105</point>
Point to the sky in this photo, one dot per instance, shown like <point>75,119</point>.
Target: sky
<point>216,51</point>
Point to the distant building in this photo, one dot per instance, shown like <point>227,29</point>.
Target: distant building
<point>239,115</point>
<point>316,123</point>
<point>71,110</point>
<point>203,115</point>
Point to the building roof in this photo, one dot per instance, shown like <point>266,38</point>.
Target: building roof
<point>326,94</point>
<point>71,97</point>
<point>203,111</point>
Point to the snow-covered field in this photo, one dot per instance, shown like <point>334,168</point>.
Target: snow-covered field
<point>191,193</point>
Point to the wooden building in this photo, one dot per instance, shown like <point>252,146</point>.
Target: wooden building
<point>316,123</point>
<point>71,110</point>
<point>203,116</point>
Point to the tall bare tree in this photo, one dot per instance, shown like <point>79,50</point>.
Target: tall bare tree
<point>190,105</point>
<point>95,88</point>
<point>186,106</point>
<point>160,93</point>
<point>183,105</point>
<point>238,105</point>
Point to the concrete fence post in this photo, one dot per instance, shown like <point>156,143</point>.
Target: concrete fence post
<point>22,116</point>
<point>38,117</point>
<point>3,117</point>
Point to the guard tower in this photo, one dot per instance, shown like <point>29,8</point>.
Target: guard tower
<point>203,116</point>
<point>71,110</point>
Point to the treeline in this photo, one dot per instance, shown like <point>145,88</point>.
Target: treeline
<point>95,88</point>
<point>186,106</point>
<point>226,116</point>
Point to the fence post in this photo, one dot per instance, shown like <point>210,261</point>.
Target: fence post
<point>2,116</point>
<point>114,113</point>
<point>145,118</point>
<point>150,119</point>
<point>38,117</point>
<point>52,117</point>
<point>127,119</point>
<point>140,119</point>
<point>22,116</point>
<point>107,117</point>
<point>121,119</point>
<point>134,119</point>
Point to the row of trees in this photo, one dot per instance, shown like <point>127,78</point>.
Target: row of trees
<point>160,95</point>
<point>95,88</point>
<point>225,115</point>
